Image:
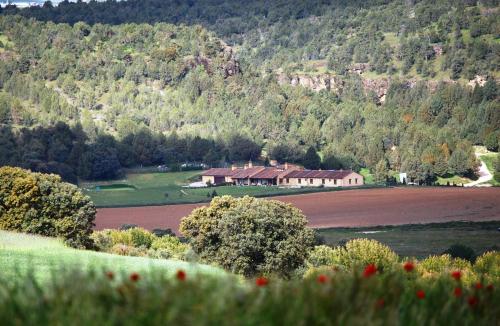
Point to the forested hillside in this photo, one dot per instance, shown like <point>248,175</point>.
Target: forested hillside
<point>390,85</point>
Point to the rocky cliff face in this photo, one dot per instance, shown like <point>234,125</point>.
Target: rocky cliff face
<point>334,83</point>
<point>378,86</point>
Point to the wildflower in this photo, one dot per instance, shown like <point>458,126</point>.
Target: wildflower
<point>409,266</point>
<point>420,294</point>
<point>380,303</point>
<point>478,286</point>
<point>456,275</point>
<point>472,301</point>
<point>370,270</point>
<point>134,277</point>
<point>261,281</point>
<point>489,287</point>
<point>457,292</point>
<point>322,278</point>
<point>110,275</point>
<point>181,275</point>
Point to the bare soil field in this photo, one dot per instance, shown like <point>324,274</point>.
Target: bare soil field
<point>350,208</point>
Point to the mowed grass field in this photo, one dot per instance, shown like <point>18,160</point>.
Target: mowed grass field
<point>490,159</point>
<point>422,240</point>
<point>142,189</point>
<point>44,257</point>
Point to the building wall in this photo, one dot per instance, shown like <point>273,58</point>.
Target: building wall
<point>208,178</point>
<point>316,182</point>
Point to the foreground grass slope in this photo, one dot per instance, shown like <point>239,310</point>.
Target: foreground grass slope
<point>361,296</point>
<point>21,253</point>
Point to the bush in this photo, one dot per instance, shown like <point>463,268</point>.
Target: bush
<point>102,240</point>
<point>361,252</point>
<point>169,247</point>
<point>249,236</point>
<point>163,232</point>
<point>445,264</point>
<point>43,204</point>
<point>488,264</point>
<point>141,237</point>
<point>461,251</point>
<point>323,256</point>
<point>124,250</point>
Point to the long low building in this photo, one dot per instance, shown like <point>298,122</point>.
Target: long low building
<point>285,175</point>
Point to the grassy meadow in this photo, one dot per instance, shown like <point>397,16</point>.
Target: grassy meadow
<point>489,159</point>
<point>422,240</point>
<point>141,189</point>
<point>21,254</point>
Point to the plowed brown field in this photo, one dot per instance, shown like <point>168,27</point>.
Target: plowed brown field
<point>363,207</point>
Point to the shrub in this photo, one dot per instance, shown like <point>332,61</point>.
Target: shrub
<point>169,247</point>
<point>461,251</point>
<point>121,237</point>
<point>141,237</point>
<point>125,227</point>
<point>102,240</point>
<point>43,204</point>
<point>433,266</point>
<point>323,256</point>
<point>163,232</point>
<point>488,264</point>
<point>249,236</point>
<point>124,250</point>
<point>361,252</point>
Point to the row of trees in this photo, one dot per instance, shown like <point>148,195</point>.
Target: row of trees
<point>68,152</point>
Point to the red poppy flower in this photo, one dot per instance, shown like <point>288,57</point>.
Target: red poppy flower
<point>472,301</point>
<point>110,275</point>
<point>181,275</point>
<point>322,278</point>
<point>456,275</point>
<point>478,286</point>
<point>380,303</point>
<point>490,287</point>
<point>370,270</point>
<point>134,277</point>
<point>420,294</point>
<point>457,292</point>
<point>261,281</point>
<point>409,266</point>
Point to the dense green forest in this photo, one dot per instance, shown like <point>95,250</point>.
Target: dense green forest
<point>389,85</point>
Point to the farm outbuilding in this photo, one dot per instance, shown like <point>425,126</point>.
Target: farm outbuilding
<point>284,175</point>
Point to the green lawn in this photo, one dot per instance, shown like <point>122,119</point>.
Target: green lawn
<point>423,239</point>
<point>21,253</point>
<point>489,159</point>
<point>453,180</point>
<point>140,189</point>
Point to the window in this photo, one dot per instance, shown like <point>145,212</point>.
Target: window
<point>287,180</point>
<point>350,181</point>
<point>281,181</point>
<point>323,181</point>
<point>300,180</point>
<point>356,181</point>
<point>335,181</point>
<point>311,181</point>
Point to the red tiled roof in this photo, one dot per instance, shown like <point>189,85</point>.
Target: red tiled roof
<point>267,173</point>
<point>315,174</point>
<point>246,173</point>
<point>219,172</point>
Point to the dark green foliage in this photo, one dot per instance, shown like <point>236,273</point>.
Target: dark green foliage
<point>311,159</point>
<point>461,251</point>
<point>42,204</point>
<point>249,236</point>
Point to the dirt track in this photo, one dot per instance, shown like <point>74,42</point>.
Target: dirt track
<point>366,207</point>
